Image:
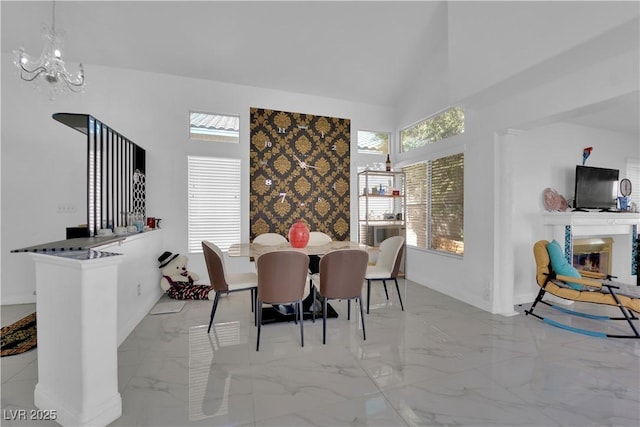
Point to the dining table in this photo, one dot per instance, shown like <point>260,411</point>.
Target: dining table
<point>285,312</point>
<point>256,249</point>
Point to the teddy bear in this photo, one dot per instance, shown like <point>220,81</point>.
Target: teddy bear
<point>178,282</point>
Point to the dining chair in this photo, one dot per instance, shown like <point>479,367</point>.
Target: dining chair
<point>316,238</point>
<point>386,267</point>
<point>341,277</point>
<point>270,239</point>
<point>281,280</point>
<point>223,282</point>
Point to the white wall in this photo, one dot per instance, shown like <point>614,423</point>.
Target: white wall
<point>43,161</point>
<point>489,42</point>
<point>594,65</point>
<point>546,157</point>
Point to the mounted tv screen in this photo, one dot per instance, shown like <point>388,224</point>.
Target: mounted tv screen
<point>596,188</point>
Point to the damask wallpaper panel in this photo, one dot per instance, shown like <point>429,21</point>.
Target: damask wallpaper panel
<point>300,169</point>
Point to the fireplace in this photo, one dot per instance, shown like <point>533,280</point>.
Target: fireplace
<point>593,254</point>
<point>614,236</point>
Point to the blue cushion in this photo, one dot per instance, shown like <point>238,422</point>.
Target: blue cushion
<point>560,265</point>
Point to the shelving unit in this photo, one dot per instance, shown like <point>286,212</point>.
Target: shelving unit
<point>381,214</point>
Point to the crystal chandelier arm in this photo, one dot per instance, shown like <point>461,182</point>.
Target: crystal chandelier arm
<point>35,73</point>
<point>76,84</point>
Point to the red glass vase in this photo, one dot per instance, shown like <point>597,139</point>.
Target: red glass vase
<point>299,235</point>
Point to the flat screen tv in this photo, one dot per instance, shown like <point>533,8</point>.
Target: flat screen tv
<point>596,188</point>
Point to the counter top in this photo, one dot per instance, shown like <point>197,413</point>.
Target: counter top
<point>83,255</point>
<point>77,244</point>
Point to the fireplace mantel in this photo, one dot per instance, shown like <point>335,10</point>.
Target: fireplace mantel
<point>591,218</point>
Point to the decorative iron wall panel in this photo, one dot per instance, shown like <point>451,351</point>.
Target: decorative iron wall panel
<point>115,173</point>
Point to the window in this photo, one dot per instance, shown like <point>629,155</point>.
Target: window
<point>444,125</point>
<point>214,127</point>
<point>214,202</point>
<point>373,142</point>
<point>435,204</point>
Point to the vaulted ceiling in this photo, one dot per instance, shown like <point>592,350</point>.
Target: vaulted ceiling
<point>358,51</point>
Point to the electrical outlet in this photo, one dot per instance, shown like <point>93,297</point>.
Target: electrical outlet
<point>139,289</point>
<point>487,290</point>
<point>66,208</point>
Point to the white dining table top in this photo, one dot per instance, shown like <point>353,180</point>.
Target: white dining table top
<point>256,249</point>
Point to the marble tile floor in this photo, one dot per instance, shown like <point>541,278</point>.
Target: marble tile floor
<point>440,362</point>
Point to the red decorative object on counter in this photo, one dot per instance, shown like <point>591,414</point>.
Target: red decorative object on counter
<point>299,235</point>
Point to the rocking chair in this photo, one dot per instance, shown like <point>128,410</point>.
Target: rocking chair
<point>585,289</point>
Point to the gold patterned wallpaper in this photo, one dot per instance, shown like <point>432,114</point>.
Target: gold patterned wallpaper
<point>299,170</point>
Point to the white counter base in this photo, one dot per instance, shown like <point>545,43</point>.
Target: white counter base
<point>77,310</point>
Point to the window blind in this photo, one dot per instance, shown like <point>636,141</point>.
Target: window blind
<point>214,202</point>
<point>416,199</point>
<point>446,210</point>
<point>435,204</point>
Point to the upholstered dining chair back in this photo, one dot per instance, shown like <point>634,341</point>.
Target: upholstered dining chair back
<point>342,273</point>
<point>270,239</point>
<point>282,276</point>
<point>214,258</point>
<point>317,238</point>
<point>390,256</point>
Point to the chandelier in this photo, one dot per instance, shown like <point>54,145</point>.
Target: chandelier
<point>49,69</point>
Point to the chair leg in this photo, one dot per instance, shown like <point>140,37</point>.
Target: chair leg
<point>348,309</point>
<point>301,315</point>
<point>254,306</point>
<point>324,320</point>
<point>368,294</point>
<point>213,310</point>
<point>384,283</point>
<point>538,299</point>
<point>399,296</point>
<point>259,322</point>
<point>313,308</point>
<point>364,334</point>
<point>624,312</point>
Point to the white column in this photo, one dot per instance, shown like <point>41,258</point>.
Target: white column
<point>76,309</point>
<point>502,291</point>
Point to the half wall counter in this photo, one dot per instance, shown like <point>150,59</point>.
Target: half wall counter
<point>90,294</point>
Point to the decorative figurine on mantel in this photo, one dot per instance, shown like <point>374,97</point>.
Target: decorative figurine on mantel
<point>586,152</point>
